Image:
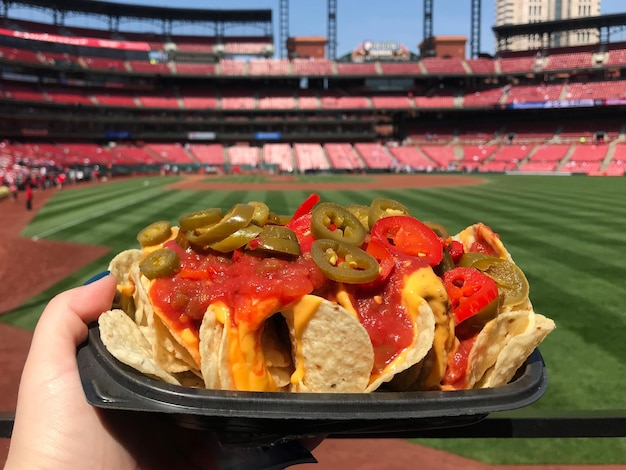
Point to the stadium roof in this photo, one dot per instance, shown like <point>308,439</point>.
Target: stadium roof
<point>117,10</point>
<point>548,27</point>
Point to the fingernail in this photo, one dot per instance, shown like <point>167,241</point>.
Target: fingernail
<point>97,277</point>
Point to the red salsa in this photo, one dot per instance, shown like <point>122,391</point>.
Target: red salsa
<point>245,284</point>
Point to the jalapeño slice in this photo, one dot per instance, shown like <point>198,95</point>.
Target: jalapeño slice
<point>337,223</point>
<point>155,233</point>
<point>343,262</point>
<point>160,263</point>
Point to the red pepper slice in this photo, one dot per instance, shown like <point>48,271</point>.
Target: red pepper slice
<point>386,263</point>
<point>456,250</point>
<point>306,206</point>
<point>469,290</point>
<point>406,235</point>
<point>302,228</point>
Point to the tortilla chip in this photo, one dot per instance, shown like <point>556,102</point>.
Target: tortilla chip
<point>516,351</point>
<point>332,351</point>
<point>211,337</point>
<point>482,232</point>
<point>424,335</point>
<point>121,264</point>
<point>277,351</point>
<point>168,350</point>
<point>120,267</point>
<point>124,340</point>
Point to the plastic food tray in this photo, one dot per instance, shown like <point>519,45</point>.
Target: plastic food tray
<point>255,418</point>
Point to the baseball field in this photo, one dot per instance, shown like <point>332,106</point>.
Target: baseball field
<point>568,234</point>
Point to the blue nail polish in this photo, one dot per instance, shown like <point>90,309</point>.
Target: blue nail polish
<point>97,277</point>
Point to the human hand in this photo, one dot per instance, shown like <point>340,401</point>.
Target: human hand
<point>57,429</point>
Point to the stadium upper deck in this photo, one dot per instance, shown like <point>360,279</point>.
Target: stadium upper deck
<point>65,84</point>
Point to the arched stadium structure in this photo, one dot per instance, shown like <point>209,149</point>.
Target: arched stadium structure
<point>85,98</point>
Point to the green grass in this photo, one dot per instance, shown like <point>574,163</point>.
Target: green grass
<point>567,233</point>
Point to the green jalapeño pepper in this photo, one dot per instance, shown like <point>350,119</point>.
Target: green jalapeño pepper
<point>342,262</point>
<point>511,281</point>
<point>155,233</point>
<point>237,239</point>
<point>238,217</point>
<point>337,223</point>
<point>383,207</point>
<point>261,212</point>
<point>160,263</point>
<point>276,240</point>
<point>199,219</point>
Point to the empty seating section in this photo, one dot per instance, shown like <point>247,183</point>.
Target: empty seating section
<point>442,99</point>
<point>117,98</point>
<point>475,155</point>
<point>233,67</point>
<point>142,66</point>
<point>342,156</point>
<point>545,158</point>
<point>198,99</point>
<point>269,67</point>
<point>310,157</point>
<point>237,100</point>
<point>576,60</point>
<point>391,102</point>
<point>159,99</point>
<point>19,55</point>
<point>306,67</point>
<point>412,157</point>
<point>247,45</point>
<point>443,66</point>
<point>533,93</point>
<point>308,100</point>
<point>22,92</point>
<point>68,95</point>
<point>191,68</point>
<point>103,63</point>
<point>130,155</point>
<point>337,101</point>
<point>240,155</point>
<point>596,90</point>
<point>374,155</point>
<point>197,44</point>
<point>506,158</point>
<point>481,66</point>
<point>171,153</point>
<point>586,158</point>
<point>617,54</point>
<point>477,98</point>
<point>368,69</point>
<point>276,100</point>
<point>399,68</point>
<point>86,153</point>
<point>517,64</point>
<point>443,156</point>
<point>279,155</point>
<point>617,165</point>
<point>209,154</point>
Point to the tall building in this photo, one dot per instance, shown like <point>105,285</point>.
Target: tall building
<point>509,12</point>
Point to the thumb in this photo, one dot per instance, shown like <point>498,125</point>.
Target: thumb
<point>63,323</point>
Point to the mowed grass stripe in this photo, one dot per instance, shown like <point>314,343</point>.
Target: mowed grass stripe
<point>77,205</point>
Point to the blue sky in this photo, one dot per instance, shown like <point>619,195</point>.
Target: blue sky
<point>359,20</point>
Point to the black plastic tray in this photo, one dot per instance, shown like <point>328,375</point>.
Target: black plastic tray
<point>262,417</point>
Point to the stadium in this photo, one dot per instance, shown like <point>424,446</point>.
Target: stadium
<point>114,128</point>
